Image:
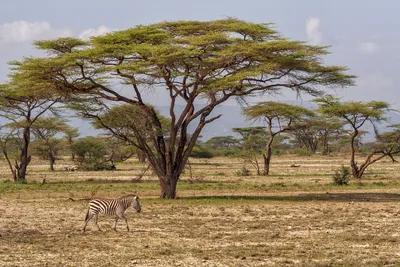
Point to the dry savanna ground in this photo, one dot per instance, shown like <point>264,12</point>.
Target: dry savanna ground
<point>294,217</point>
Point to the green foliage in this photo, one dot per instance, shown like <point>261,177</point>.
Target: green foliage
<point>318,132</point>
<point>127,119</point>
<point>282,112</point>
<point>245,132</point>
<point>45,130</point>
<point>303,151</point>
<point>48,127</point>
<point>389,142</point>
<point>213,60</point>
<point>96,166</point>
<point>355,113</point>
<point>21,181</point>
<point>10,143</point>
<point>89,150</point>
<point>118,150</point>
<point>231,152</point>
<point>201,152</point>
<point>42,148</point>
<point>219,142</point>
<point>342,176</point>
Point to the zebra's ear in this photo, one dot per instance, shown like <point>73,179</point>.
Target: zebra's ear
<point>136,197</point>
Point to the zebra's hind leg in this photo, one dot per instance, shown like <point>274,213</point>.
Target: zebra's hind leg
<point>96,219</point>
<point>89,216</point>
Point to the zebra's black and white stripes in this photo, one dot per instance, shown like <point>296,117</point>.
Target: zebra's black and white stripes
<point>115,207</point>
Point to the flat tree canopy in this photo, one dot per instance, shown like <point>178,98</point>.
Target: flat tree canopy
<point>210,61</point>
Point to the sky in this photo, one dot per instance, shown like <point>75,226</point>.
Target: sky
<point>362,35</point>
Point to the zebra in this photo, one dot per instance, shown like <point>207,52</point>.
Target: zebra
<point>115,207</point>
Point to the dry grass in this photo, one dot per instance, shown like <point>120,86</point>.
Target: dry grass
<point>295,217</point>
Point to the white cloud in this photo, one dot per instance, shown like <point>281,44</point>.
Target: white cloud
<point>24,31</point>
<point>314,35</point>
<point>368,47</point>
<point>93,32</point>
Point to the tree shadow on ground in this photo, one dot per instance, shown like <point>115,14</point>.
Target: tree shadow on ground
<point>334,197</point>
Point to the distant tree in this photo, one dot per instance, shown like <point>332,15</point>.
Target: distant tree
<point>191,61</point>
<point>356,115</point>
<point>47,149</point>
<point>317,130</point>
<point>45,131</point>
<point>252,143</point>
<point>22,102</point>
<point>330,130</point>
<point>118,150</point>
<point>121,122</point>
<point>218,142</point>
<point>279,118</point>
<point>90,150</point>
<point>10,144</point>
<point>387,144</point>
<point>70,134</point>
<point>245,132</point>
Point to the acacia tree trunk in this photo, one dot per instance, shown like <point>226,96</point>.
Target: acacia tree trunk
<point>171,160</point>
<point>168,186</point>
<point>25,158</point>
<point>354,167</point>
<point>268,151</point>
<point>52,160</point>
<point>358,171</point>
<point>268,154</point>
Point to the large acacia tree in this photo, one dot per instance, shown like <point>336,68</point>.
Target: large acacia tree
<point>279,118</point>
<point>193,62</point>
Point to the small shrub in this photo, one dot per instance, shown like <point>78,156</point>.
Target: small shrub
<point>277,185</point>
<point>342,176</point>
<point>96,166</point>
<point>243,172</point>
<point>201,152</point>
<point>379,183</point>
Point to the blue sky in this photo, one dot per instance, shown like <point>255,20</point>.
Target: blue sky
<point>363,35</point>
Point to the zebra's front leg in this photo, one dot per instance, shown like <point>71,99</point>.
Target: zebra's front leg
<point>115,223</point>
<point>126,221</point>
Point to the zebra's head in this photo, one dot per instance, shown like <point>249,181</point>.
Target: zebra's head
<point>136,204</point>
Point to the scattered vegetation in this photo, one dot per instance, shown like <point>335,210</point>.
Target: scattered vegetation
<point>342,176</point>
<point>243,172</point>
